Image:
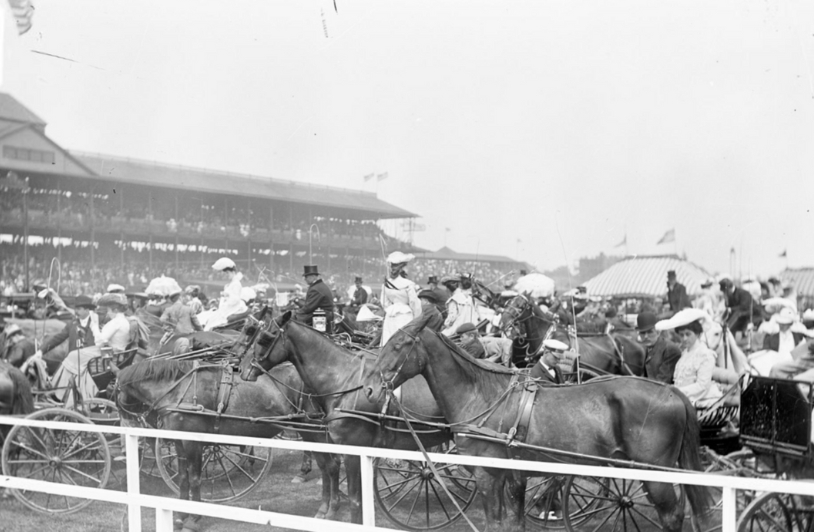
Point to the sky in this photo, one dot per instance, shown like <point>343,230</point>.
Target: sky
<point>540,130</point>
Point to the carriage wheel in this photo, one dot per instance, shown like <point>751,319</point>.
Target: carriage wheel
<point>739,463</point>
<point>544,503</point>
<point>72,457</point>
<point>228,473</point>
<point>412,498</point>
<point>775,512</point>
<point>609,504</point>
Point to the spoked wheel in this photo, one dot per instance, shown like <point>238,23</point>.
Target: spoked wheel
<point>738,463</point>
<point>608,504</point>
<point>73,457</point>
<point>545,506</point>
<point>229,472</point>
<point>412,498</point>
<point>776,512</point>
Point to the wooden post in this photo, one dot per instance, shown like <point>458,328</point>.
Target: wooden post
<point>92,232</point>
<point>176,233</point>
<point>27,274</point>
<point>271,238</point>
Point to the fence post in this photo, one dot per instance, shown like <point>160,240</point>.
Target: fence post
<point>729,510</point>
<point>368,503</point>
<point>133,486</point>
<point>163,520</point>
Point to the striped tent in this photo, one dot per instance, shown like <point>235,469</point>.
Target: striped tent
<point>802,279</point>
<point>646,277</point>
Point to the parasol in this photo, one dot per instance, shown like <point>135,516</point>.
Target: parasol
<point>163,286</point>
<point>538,284</point>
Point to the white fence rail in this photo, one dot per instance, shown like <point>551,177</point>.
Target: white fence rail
<point>164,506</point>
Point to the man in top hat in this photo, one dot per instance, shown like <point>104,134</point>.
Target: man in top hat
<point>319,296</point>
<point>15,348</point>
<point>429,307</point>
<point>82,331</point>
<point>661,355</point>
<point>359,295</point>
<point>677,297</point>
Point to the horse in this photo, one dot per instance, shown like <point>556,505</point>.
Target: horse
<point>605,354</point>
<point>157,391</point>
<point>624,418</point>
<point>334,374</point>
<point>15,394</point>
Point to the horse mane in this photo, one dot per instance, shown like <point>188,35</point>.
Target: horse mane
<point>23,400</point>
<point>155,369</point>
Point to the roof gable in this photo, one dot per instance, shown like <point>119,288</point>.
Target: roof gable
<point>13,110</point>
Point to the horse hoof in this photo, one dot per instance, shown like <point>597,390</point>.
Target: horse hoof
<point>320,515</point>
<point>330,516</point>
<point>299,479</point>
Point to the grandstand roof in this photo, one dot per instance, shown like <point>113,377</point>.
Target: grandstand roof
<point>221,182</point>
<point>11,109</point>
<point>646,277</point>
<point>446,253</point>
<point>801,278</point>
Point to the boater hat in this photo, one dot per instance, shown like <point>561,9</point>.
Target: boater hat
<point>223,263</point>
<point>310,269</point>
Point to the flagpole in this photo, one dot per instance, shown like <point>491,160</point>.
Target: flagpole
<point>627,253</point>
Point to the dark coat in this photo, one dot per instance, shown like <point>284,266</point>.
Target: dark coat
<point>436,320</point>
<point>538,372</point>
<point>19,352</point>
<point>742,309</point>
<point>319,296</point>
<point>74,332</point>
<point>772,341</point>
<point>475,349</point>
<point>660,361</point>
<point>678,298</point>
<point>359,297</point>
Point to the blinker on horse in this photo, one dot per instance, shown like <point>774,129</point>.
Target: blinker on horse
<point>617,418</point>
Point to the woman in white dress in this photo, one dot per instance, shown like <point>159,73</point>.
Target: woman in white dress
<point>399,296</point>
<point>230,300</point>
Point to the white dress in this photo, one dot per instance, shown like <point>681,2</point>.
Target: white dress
<point>401,305</point>
<point>693,375</point>
<point>230,303</point>
<point>460,309</point>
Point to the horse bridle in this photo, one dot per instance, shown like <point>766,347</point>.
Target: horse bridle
<point>388,385</point>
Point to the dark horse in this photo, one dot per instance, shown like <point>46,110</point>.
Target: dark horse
<point>613,354</point>
<point>170,394</point>
<point>335,375</point>
<point>619,418</point>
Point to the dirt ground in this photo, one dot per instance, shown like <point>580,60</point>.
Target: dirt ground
<point>276,492</point>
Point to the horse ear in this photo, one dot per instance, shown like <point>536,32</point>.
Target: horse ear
<point>285,318</point>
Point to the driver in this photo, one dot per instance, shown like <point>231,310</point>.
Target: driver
<point>547,368</point>
<point>661,355</point>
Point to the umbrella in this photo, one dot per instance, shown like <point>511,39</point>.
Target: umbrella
<point>538,284</point>
<point>163,286</point>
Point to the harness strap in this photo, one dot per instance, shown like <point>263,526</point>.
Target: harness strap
<point>224,393</point>
<point>521,424</point>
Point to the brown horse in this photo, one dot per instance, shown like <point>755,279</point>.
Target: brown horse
<point>335,376</point>
<point>619,418</point>
<point>15,394</point>
<point>157,391</point>
<point>610,354</point>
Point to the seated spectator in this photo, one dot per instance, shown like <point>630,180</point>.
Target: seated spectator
<point>661,354</point>
<point>429,305</point>
<point>469,340</point>
<point>180,316</point>
<point>81,331</point>
<point>785,340</point>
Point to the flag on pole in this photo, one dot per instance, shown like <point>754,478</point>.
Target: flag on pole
<point>784,254</point>
<point>669,236</point>
<point>622,243</point>
<point>381,177</point>
<point>23,12</point>
<point>368,177</point>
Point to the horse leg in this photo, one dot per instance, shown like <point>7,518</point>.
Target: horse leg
<point>664,499</point>
<point>195,465</point>
<point>354,471</point>
<point>490,490</point>
<point>516,503</point>
<point>329,468</point>
<point>183,480</point>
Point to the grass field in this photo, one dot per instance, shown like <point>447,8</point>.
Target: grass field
<point>276,493</point>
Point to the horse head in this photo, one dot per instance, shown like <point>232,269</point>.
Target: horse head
<point>403,357</point>
<point>269,349</point>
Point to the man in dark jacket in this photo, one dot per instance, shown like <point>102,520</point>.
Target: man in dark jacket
<point>661,355</point>
<point>548,367</point>
<point>470,340</point>
<point>429,307</point>
<point>319,296</point>
<point>81,331</point>
<point>740,305</point>
<point>677,296</point>
<point>359,295</point>
<point>15,348</point>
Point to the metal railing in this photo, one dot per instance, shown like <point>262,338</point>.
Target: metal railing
<point>165,506</point>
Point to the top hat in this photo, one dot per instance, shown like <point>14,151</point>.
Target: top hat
<point>357,280</point>
<point>433,279</point>
<point>310,269</point>
<point>83,301</point>
<point>646,321</point>
<point>671,273</point>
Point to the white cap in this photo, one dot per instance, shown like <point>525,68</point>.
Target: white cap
<point>555,345</point>
<point>113,288</point>
<point>397,257</point>
<point>223,263</point>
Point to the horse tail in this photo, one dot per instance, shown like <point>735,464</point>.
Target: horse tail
<point>700,498</point>
<point>23,401</point>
